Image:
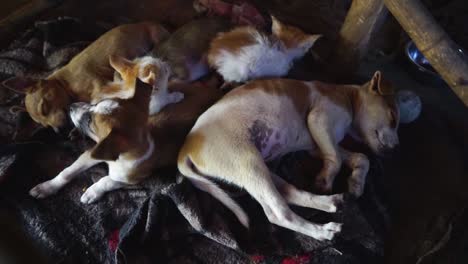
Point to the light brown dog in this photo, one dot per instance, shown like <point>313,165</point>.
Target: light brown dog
<point>265,119</point>
<point>130,141</point>
<point>85,77</point>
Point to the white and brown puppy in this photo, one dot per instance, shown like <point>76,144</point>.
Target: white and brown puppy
<point>246,53</point>
<point>132,143</point>
<point>123,142</point>
<point>265,119</point>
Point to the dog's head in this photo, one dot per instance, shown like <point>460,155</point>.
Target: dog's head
<point>117,125</point>
<point>292,37</point>
<point>379,110</point>
<point>148,69</point>
<point>46,100</point>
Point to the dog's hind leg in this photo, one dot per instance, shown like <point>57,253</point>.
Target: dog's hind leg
<point>245,167</point>
<point>99,188</point>
<point>50,187</point>
<point>278,212</point>
<point>327,203</point>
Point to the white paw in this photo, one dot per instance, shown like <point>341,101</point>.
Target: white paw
<point>90,196</point>
<point>175,97</point>
<point>43,190</point>
<point>331,203</point>
<point>355,188</point>
<point>160,99</point>
<point>328,231</point>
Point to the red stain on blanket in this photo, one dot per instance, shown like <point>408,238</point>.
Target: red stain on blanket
<point>113,239</point>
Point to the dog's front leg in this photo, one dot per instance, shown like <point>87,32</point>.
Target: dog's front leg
<point>99,188</point>
<point>323,135</point>
<point>159,99</point>
<point>359,164</point>
<point>47,188</point>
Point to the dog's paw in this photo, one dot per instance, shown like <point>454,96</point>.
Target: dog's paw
<point>328,231</point>
<point>323,185</point>
<point>331,203</point>
<point>74,134</point>
<point>175,97</point>
<point>90,196</point>
<point>356,189</point>
<point>43,190</point>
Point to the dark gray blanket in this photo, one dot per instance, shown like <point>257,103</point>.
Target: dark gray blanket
<point>164,219</point>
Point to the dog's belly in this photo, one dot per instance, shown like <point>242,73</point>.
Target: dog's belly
<point>275,140</point>
<point>268,121</point>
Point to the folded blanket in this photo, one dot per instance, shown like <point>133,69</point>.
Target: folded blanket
<point>164,219</point>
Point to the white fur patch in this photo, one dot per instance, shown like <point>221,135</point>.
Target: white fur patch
<point>164,69</point>
<point>265,58</point>
<point>105,107</point>
<point>121,168</point>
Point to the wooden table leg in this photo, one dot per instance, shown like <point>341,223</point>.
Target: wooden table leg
<point>363,19</point>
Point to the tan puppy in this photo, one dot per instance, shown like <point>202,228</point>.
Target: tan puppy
<point>266,119</point>
<point>130,142</point>
<point>84,77</point>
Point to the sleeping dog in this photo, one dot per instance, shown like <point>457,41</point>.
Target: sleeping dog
<point>265,119</point>
<point>132,142</point>
<point>86,77</point>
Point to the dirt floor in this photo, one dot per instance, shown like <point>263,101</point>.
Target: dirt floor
<point>427,182</point>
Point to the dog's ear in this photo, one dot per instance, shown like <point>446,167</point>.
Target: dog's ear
<point>19,84</point>
<point>276,26</point>
<point>379,85</point>
<point>123,66</point>
<point>142,95</point>
<point>111,147</point>
<point>310,41</point>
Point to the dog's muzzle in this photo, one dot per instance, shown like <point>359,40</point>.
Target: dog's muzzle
<point>80,115</point>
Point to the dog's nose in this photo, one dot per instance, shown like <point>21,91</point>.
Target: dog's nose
<point>387,149</point>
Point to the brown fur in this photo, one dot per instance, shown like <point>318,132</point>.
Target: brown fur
<point>83,78</point>
<point>186,49</point>
<point>298,92</point>
<point>124,130</point>
<point>232,41</point>
<point>170,127</point>
<point>290,36</point>
<point>337,96</point>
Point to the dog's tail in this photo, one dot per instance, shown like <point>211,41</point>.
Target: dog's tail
<point>189,170</point>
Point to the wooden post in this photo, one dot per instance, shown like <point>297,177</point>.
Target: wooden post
<point>364,18</point>
<point>434,43</point>
<point>10,25</point>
